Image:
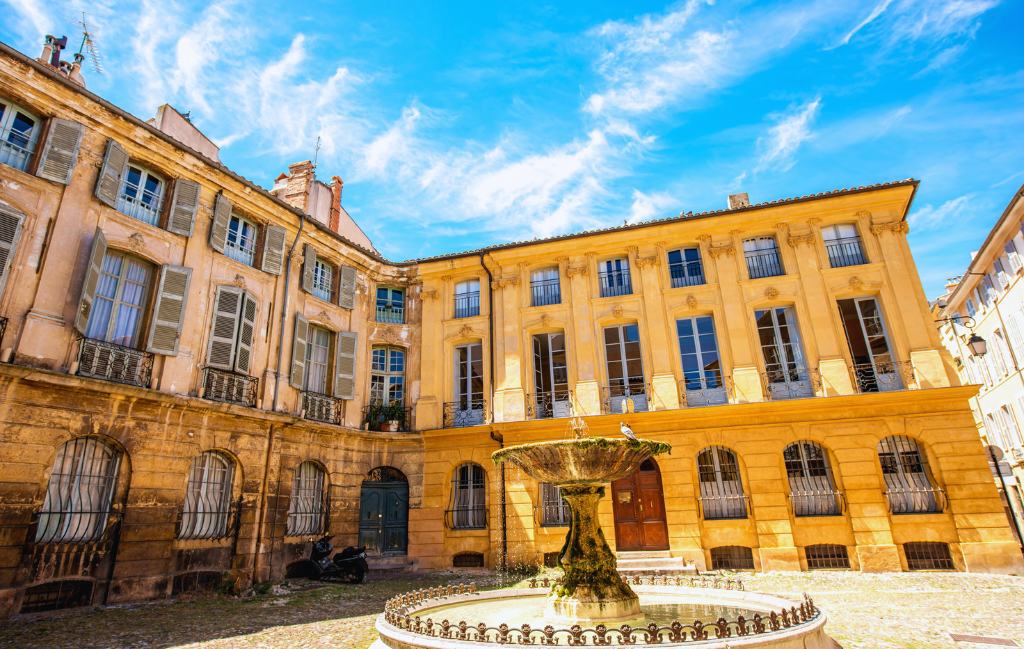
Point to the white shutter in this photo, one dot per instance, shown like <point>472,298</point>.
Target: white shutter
<point>347,287</point>
<point>169,310</point>
<point>246,334</point>
<point>59,153</point>
<point>273,250</point>
<point>308,267</point>
<point>181,218</point>
<point>298,374</point>
<point>92,276</point>
<point>10,231</point>
<point>115,164</point>
<point>221,220</point>
<point>1013,256</point>
<point>345,364</point>
<point>224,331</point>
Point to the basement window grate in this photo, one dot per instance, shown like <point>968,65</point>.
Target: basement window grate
<point>983,639</point>
<point>827,556</point>
<point>57,595</point>
<point>732,557</point>
<point>927,555</point>
<point>468,560</point>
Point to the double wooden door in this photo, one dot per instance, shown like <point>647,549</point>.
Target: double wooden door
<point>384,517</point>
<point>640,510</point>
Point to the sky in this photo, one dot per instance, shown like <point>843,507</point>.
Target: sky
<point>457,125</point>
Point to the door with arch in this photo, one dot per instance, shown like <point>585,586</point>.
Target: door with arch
<point>639,506</point>
<point>384,511</point>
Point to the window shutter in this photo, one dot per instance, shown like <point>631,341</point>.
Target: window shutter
<point>59,153</point>
<point>1013,256</point>
<point>347,287</point>
<point>246,334</point>
<point>92,276</point>
<point>221,219</point>
<point>298,373</point>
<point>345,365</point>
<point>273,250</point>
<point>308,267</point>
<point>181,218</point>
<point>223,334</point>
<point>169,310</point>
<point>115,163</point>
<point>10,231</point>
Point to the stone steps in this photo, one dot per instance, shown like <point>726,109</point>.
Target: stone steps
<point>652,563</point>
<point>390,565</point>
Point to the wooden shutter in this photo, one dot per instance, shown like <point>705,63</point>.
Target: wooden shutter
<point>224,331</point>
<point>308,267</point>
<point>221,219</point>
<point>10,231</point>
<point>273,249</point>
<point>298,373</point>
<point>181,216</point>
<point>246,334</point>
<point>345,365</point>
<point>347,287</point>
<point>115,164</point>
<point>59,153</point>
<point>92,276</point>
<point>169,310</point>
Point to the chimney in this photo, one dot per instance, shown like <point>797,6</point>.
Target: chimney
<point>336,186</point>
<point>296,190</point>
<point>47,49</point>
<point>739,200</point>
<point>57,44</point>
<point>76,70</point>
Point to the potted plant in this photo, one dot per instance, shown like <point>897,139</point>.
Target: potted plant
<point>385,418</point>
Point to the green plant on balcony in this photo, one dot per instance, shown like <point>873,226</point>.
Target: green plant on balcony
<point>379,415</point>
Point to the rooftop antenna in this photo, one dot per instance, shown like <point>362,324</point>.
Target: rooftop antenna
<point>317,152</point>
<point>89,43</point>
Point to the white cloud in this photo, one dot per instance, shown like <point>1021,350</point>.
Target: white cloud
<point>34,21</point>
<point>783,139</point>
<point>930,218</point>
<point>875,13</point>
<point>899,22</point>
<point>648,206</point>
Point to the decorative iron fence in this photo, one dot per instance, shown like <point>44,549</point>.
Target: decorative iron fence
<point>792,382</point>
<point>764,264</point>
<point>391,314</point>
<point>724,507</point>
<point>99,359</point>
<point>387,418</point>
<point>545,292</point>
<point>845,252</point>
<point>615,282</point>
<point>884,376</point>
<point>471,517</point>
<point>459,414</point>
<point>916,500</point>
<point>825,502</point>
<point>229,387</point>
<point>699,391</point>
<point>549,405</point>
<point>321,407</point>
<point>688,274</point>
<point>467,305</point>
<point>616,398</point>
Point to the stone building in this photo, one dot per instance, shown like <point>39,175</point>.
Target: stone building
<point>200,374</point>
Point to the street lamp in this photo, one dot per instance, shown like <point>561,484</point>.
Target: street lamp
<point>975,343</point>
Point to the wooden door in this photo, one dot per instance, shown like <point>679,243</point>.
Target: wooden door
<point>384,517</point>
<point>639,507</point>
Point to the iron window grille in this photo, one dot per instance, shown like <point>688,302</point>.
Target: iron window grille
<point>762,256</point>
<point>884,376</point>
<point>468,508</point>
<point>721,488</point>
<point>207,497</point>
<point>845,252</point>
<point>554,511</point>
<point>80,494</point>
<point>552,404</point>
<point>617,398</point>
<point>685,268</point>
<point>910,488</point>
<point>927,555</point>
<point>546,291</point>
<point>385,474</point>
<point>712,390</point>
<point>812,489</point>
<point>19,131</point>
<point>57,595</point>
<point>826,556</point>
<point>468,560</point>
<point>391,313</point>
<point>784,381</point>
<point>466,412</point>
<point>467,305</point>
<point>615,282</point>
<point>306,507</point>
<point>322,407</point>
<point>732,557</point>
<point>141,195</point>
<point>99,359</point>
<point>229,387</point>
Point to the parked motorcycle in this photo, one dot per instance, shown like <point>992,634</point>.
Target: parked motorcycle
<point>348,565</point>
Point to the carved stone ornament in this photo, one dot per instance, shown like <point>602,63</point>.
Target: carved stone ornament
<point>632,248</point>
<point>771,292</point>
<point>562,258</point>
<point>136,241</point>
<point>206,210</point>
<point>323,317</point>
<point>863,213</point>
<point>446,278</point>
<point>239,281</point>
<point>428,295</point>
<point>466,331</point>
<point>617,311</point>
<point>574,271</point>
<point>781,226</point>
<point>814,221</point>
<point>717,252</point>
<point>505,282</point>
<point>691,302</point>
<point>856,283</point>
<point>896,227</point>
<point>796,240</point>
<point>736,233</point>
<point>703,237</point>
<point>390,335</point>
<point>545,320</point>
<point>647,261</point>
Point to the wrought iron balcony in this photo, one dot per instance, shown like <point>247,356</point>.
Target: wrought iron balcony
<point>845,252</point>
<point>616,398</point>
<point>99,359</point>
<point>467,305</point>
<point>321,407</point>
<point>724,507</point>
<point>764,264</point>
<point>707,391</point>
<point>916,500</point>
<point>229,387</point>
<point>133,206</point>
<point>549,405</point>
<point>468,517</point>
<point>792,382</point>
<point>825,502</point>
<point>387,418</point>
<point>884,376</point>
<point>459,414</point>
<point>545,292</point>
<point>689,274</point>
<point>615,282</point>
<point>391,314</point>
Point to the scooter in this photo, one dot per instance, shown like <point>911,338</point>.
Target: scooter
<point>350,564</point>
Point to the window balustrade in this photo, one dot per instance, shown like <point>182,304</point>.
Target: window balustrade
<point>469,412</point>
<point>467,305</point>
<point>99,359</point>
<point>321,407</point>
<point>551,404</point>
<point>229,387</point>
<point>617,398</point>
<point>545,292</point>
<point>615,283</point>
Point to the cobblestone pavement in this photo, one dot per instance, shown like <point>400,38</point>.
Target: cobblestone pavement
<point>907,610</point>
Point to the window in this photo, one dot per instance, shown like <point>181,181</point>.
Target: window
<point>928,555</point>
<point>141,195</point>
<point>971,309</point>
<point>121,293</point>
<point>786,372</point>
<point>811,489</point>
<point>233,330</point>
<point>1012,256</point>
<point>468,560</point>
<point>468,407</point>
<point>545,287</point>
<point>80,493</point>
<point>19,131</point>
<point>207,497</point>
<point>988,288</point>
<point>550,377</point>
<point>762,254</point>
<point>843,245</point>
<point>732,557</point>
<point>467,299</point>
<point>468,510</point>
<point>390,305</point>
<point>317,347</point>
<point>322,276</point>
<point>721,490</point>
<point>387,376</point>
<point>908,481</point>
<point>554,509</point>
<point>1016,332</point>
<point>685,268</point>
<point>827,556</point>
<point>1003,358</point>
<point>613,275</point>
<point>874,367</point>
<point>1013,437</point>
<point>241,240</point>
<point>625,369</point>
<point>1002,279</point>
<point>306,506</point>
<point>992,431</point>
<point>703,382</point>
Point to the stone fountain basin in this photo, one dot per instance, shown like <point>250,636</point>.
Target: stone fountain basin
<point>590,461</point>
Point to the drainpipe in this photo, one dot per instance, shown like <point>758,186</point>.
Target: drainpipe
<point>284,313</point>
<point>261,514</point>
<point>496,436</point>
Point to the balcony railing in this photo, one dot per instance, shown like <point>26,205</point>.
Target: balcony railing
<point>321,407</point>
<point>552,514</point>
<point>884,376</point>
<point>845,252</point>
<point>15,148</point>
<point>387,418</point>
<point>138,209</point>
<point>241,253</point>
<point>545,292</point>
<point>617,398</point>
<point>467,305</point>
<point>688,274</point>
<point>707,391</point>
<point>459,414</point>
<point>229,387</point>
<point>825,502</point>
<point>791,383</point>
<point>724,507</point>
<point>99,359</point>
<point>916,500</point>
<point>391,313</point>
<point>764,264</point>
<point>469,517</point>
<point>549,405</point>
<point>614,283</point>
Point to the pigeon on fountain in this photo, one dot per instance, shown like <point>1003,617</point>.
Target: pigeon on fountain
<point>627,431</point>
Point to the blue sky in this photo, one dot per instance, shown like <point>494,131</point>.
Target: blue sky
<point>461,124</point>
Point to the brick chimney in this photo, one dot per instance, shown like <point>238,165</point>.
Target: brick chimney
<point>300,178</point>
<point>336,186</point>
<point>739,200</point>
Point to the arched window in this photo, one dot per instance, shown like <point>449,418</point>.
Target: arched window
<point>908,481</point>
<point>811,488</point>
<point>306,508</point>
<point>80,492</point>
<point>207,497</point>
<point>468,502</point>
<point>721,490</point>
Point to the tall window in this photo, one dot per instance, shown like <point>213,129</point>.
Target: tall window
<point>625,369</point>
<point>207,497</point>
<point>971,309</point>
<point>874,367</point>
<point>1002,278</point>
<point>811,488</point>
<point>390,305</point>
<point>121,294</point>
<point>989,289</point>
<point>323,273</point>
<point>843,245</point>
<point>468,510</point>
<point>467,299</point>
<point>387,376</point>
<point>554,511</point>
<point>721,490</point>
<point>1005,360</point>
<point>306,507</point>
<point>141,195</point>
<point>80,493</point>
<point>703,382</point>
<point>545,287</point>
<point>318,346</point>
<point>1009,425</point>
<point>908,481</point>
<point>1012,256</point>
<point>762,255</point>
<point>613,275</point>
<point>468,408</point>
<point>786,372</point>
<point>685,268</point>
<point>241,240</point>
<point>550,377</point>
<point>19,131</point>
